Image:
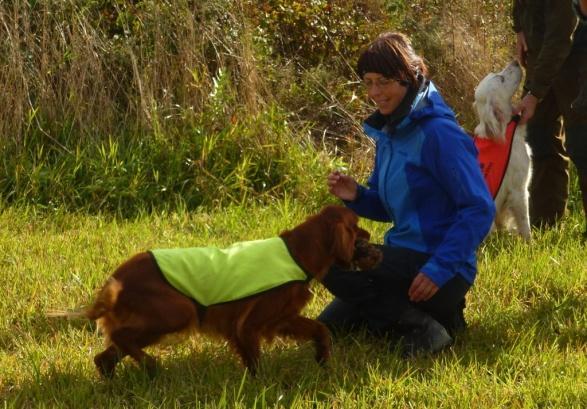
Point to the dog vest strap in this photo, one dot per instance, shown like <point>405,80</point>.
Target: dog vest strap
<point>211,275</point>
<point>494,157</point>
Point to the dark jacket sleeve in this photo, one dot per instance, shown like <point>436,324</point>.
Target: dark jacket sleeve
<point>559,24</point>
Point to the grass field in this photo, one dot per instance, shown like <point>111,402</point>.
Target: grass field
<point>526,345</point>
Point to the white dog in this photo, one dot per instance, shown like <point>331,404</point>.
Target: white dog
<point>493,104</point>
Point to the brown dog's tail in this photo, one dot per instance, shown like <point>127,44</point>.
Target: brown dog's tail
<point>65,314</point>
<point>104,303</point>
<point>105,300</point>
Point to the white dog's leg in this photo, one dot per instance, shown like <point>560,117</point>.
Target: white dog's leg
<point>519,209</point>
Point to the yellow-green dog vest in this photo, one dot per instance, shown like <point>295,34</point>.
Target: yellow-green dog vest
<point>212,276</point>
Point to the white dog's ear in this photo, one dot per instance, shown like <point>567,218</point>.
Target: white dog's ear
<point>493,119</point>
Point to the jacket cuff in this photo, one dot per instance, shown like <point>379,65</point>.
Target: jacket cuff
<point>436,273</point>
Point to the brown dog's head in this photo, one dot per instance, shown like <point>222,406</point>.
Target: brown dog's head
<point>329,237</point>
<point>350,244</point>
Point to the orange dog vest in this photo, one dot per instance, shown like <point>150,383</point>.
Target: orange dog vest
<point>495,156</point>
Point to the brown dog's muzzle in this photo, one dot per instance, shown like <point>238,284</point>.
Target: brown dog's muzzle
<point>366,256</point>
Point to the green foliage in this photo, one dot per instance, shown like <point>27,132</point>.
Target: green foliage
<point>246,159</point>
<point>461,41</point>
<point>315,31</point>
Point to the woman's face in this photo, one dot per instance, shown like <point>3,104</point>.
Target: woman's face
<point>387,93</point>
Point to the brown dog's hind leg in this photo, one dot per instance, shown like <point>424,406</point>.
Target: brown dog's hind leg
<point>302,328</point>
<point>131,342</point>
<point>107,360</point>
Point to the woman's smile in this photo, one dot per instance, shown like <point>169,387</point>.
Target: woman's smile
<point>386,93</point>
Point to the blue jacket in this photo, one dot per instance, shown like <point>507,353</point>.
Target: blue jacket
<point>428,183</point>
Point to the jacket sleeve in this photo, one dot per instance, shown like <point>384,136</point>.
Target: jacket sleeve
<point>451,157</point>
<point>368,203</point>
<point>559,24</point>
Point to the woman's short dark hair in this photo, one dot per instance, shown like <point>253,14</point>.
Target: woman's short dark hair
<point>392,55</point>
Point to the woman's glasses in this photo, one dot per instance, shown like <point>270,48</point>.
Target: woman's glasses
<point>382,82</point>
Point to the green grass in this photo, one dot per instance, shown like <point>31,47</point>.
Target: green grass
<point>526,345</point>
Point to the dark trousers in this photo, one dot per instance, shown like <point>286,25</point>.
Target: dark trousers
<point>551,149</point>
<point>375,300</point>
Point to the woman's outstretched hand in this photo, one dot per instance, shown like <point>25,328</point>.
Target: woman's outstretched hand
<point>342,186</point>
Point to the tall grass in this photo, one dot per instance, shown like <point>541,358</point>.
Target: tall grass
<point>112,105</point>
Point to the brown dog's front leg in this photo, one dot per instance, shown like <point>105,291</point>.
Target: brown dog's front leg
<point>248,346</point>
<point>302,328</point>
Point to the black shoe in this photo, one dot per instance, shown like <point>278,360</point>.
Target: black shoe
<point>427,336</point>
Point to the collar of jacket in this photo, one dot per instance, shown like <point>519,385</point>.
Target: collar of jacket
<point>378,121</point>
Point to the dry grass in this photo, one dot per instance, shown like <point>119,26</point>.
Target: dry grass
<point>96,69</point>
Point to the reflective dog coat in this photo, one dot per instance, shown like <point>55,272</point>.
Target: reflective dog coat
<point>494,157</point>
<point>211,275</point>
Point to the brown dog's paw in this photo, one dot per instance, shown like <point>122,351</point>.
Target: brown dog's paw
<point>106,364</point>
<point>367,256</point>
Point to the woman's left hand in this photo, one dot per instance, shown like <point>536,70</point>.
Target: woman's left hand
<point>422,288</point>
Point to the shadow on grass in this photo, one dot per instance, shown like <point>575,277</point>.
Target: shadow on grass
<point>553,318</point>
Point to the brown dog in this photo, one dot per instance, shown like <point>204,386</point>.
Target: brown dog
<point>137,306</point>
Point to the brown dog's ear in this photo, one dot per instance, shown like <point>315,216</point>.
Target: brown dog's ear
<point>343,244</point>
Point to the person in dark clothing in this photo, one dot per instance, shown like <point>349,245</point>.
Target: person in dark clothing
<point>553,49</point>
<point>428,183</point>
<point>580,103</point>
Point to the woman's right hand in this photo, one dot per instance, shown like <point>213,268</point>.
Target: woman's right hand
<point>342,186</point>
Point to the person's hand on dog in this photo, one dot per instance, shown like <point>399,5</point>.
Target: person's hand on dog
<point>526,108</point>
<point>422,288</point>
<point>342,186</point>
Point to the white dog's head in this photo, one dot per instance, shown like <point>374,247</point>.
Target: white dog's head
<point>493,98</point>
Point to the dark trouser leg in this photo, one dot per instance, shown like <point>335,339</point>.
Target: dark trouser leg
<point>575,120</point>
<point>448,304</point>
<point>373,299</point>
<point>579,105</point>
<point>548,191</point>
<point>378,299</point>
<point>342,317</point>
<point>550,177</point>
